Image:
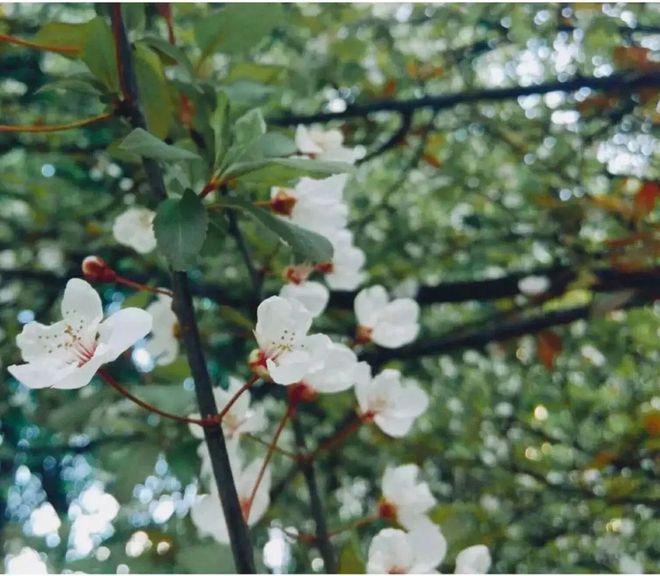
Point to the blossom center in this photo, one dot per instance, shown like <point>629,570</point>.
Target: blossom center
<point>386,510</point>
<point>301,392</point>
<point>363,335</point>
<point>283,203</point>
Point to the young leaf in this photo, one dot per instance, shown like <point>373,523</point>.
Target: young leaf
<point>220,123</point>
<point>153,91</point>
<point>98,53</point>
<point>174,54</point>
<point>180,226</point>
<point>237,27</point>
<point>144,144</point>
<point>279,171</point>
<point>306,245</point>
<point>63,34</point>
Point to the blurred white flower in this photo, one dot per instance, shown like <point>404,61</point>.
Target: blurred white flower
<point>313,296</point>
<point>405,499</point>
<point>241,418</point>
<point>134,228</point>
<point>337,373</point>
<point>50,256</point>
<point>385,400</point>
<point>345,271</point>
<point>324,145</point>
<point>313,204</point>
<point>207,514</point>
<point>286,353</point>
<point>473,560</point>
<point>533,285</point>
<point>419,551</point>
<point>68,353</point>
<point>628,565</point>
<point>164,342</point>
<point>388,324</point>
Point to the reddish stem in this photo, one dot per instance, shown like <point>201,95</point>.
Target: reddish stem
<point>271,450</point>
<point>252,380</point>
<point>210,421</point>
<point>138,286</point>
<point>339,437</point>
<point>116,32</point>
<point>56,127</point>
<point>49,47</point>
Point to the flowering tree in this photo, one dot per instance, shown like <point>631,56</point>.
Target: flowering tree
<point>338,288</point>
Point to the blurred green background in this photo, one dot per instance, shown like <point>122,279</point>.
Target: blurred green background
<point>542,438</point>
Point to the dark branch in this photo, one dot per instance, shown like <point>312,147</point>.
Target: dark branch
<point>480,337</point>
<point>183,306</point>
<point>624,82</point>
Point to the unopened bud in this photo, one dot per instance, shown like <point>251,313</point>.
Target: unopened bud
<point>97,269</point>
<point>257,363</point>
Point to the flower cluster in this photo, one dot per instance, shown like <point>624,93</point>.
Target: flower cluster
<point>421,547</point>
<point>318,205</point>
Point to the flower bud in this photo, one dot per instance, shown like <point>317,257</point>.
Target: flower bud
<point>97,269</point>
<point>257,363</point>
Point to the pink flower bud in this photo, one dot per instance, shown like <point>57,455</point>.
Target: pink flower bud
<point>97,269</point>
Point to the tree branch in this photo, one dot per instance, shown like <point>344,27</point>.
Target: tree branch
<point>624,82</point>
<point>183,306</point>
<point>315,504</point>
<point>480,337</point>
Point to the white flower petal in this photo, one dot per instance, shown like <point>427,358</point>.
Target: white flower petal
<point>473,560</point>
<point>81,304</point>
<point>428,544</point>
<point>123,329</point>
<point>369,304</point>
<point>134,228</point>
<point>313,296</point>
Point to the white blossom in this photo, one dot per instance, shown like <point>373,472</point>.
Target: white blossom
<point>473,560</point>
<point>313,204</point>
<point>134,228</point>
<point>419,551</point>
<point>338,372</point>
<point>392,405</point>
<point>533,285</point>
<point>241,418</point>
<point>313,296</point>
<point>345,271</point>
<point>286,353</point>
<point>164,343</point>
<point>207,514</point>
<point>324,145</point>
<point>68,353</point>
<point>405,499</point>
<point>389,324</point>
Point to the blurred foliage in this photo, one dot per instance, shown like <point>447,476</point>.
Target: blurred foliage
<point>544,447</point>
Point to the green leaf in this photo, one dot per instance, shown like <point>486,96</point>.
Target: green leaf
<point>307,245</point>
<point>235,317</point>
<point>221,128</point>
<point>154,91</point>
<point>249,128</point>
<point>208,558</point>
<point>98,52</point>
<point>72,84</point>
<point>174,54</point>
<point>147,145</point>
<point>180,226</point>
<point>350,561</point>
<point>236,27</point>
<point>248,93</point>
<point>215,236</point>
<point>63,34</point>
<point>274,144</point>
<point>280,171</point>
<point>134,16</point>
<point>177,371</point>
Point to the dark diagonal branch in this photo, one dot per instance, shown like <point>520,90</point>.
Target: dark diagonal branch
<point>480,337</point>
<point>183,306</point>
<point>622,82</point>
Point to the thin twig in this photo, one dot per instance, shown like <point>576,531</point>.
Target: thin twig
<point>38,128</point>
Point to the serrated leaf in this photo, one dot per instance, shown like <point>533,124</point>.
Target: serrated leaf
<point>144,144</point>
<point>154,92</point>
<point>98,52</point>
<point>236,27</point>
<point>180,226</point>
<point>306,245</point>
